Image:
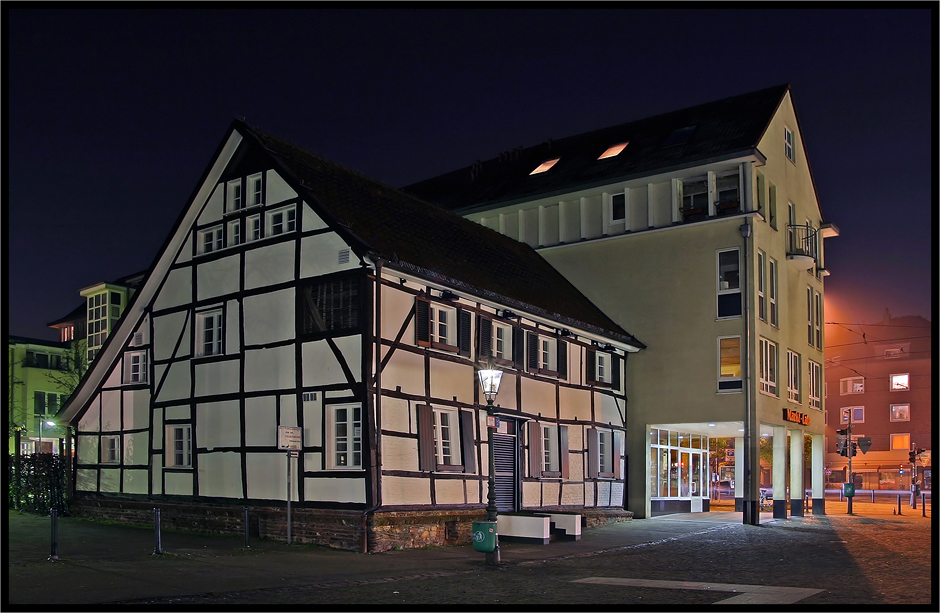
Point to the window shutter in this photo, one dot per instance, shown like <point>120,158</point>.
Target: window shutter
<point>593,457</point>
<point>463,332</point>
<point>518,348</point>
<point>562,359</point>
<point>533,352</point>
<point>426,456</point>
<point>468,442</point>
<point>422,322</point>
<point>39,403</point>
<point>591,366</point>
<point>615,367</point>
<point>535,449</point>
<point>618,445</point>
<point>563,450</point>
<point>485,344</point>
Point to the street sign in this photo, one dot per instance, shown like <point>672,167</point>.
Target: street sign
<point>828,472</point>
<point>492,421</point>
<point>289,438</point>
<point>864,442</point>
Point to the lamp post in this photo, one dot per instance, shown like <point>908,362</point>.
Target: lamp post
<point>489,381</point>
<point>48,423</point>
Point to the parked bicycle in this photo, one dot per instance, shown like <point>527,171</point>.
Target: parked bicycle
<point>766,502</point>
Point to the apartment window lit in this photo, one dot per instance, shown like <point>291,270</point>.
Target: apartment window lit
<point>901,442</point>
<point>793,376</point>
<point>788,144</point>
<point>900,383</point>
<point>255,194</point>
<point>851,385</point>
<point>729,284</point>
<point>345,436</point>
<point>613,151</point>
<point>729,364</point>
<point>900,412</point>
<point>815,385</point>
<point>768,366</point>
<point>179,440</point>
<point>544,166</point>
<point>209,333</point>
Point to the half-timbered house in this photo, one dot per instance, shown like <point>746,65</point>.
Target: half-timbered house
<point>295,292</point>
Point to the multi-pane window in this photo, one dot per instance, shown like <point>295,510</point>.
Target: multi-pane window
<point>900,442</point>
<point>210,240</point>
<point>443,325</point>
<point>115,301</point>
<point>255,193</point>
<point>110,449</point>
<point>502,341</point>
<point>817,297</point>
<point>772,204</point>
<point>729,284</point>
<point>547,352</point>
<point>618,207</point>
<point>47,403</point>
<point>235,233</point>
<point>788,144</point>
<point>179,441</point>
<point>234,193</point>
<point>729,364</point>
<point>446,436</point>
<point>772,289</point>
<point>605,452</point>
<point>768,366</point>
<point>761,287</point>
<point>135,367</point>
<point>209,332</point>
<point>330,305</point>
<point>900,412</point>
<point>549,435</point>
<point>851,385</point>
<point>695,197</point>
<point>793,376</point>
<point>858,415</point>
<point>254,227</point>
<point>282,220</point>
<point>900,383</point>
<point>815,385</point>
<point>97,322</point>
<point>810,329</point>
<point>346,436</point>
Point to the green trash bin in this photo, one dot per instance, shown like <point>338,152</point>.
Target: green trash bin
<point>848,489</point>
<point>484,536</point>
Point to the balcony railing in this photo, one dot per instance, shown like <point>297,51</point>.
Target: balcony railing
<point>803,245</point>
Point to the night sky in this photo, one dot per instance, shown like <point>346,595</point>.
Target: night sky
<point>113,115</point>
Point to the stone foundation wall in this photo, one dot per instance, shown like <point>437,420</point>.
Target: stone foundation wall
<point>415,529</point>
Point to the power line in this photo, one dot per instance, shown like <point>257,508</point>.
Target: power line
<point>889,342</point>
<point>843,323</point>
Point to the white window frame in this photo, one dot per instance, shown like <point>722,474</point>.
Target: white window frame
<point>281,221</point>
<point>602,366</point>
<point>810,329</point>
<point>235,236</point>
<point>502,341</point>
<point>814,390</point>
<point>209,240</point>
<point>605,452</point>
<point>550,456</point>
<point>727,290</point>
<point>895,379</point>
<point>234,195</point>
<point>772,291</point>
<point>788,144</point>
<point>547,353</point>
<point>819,315</point>
<point>897,409</point>
<point>851,385</point>
<point>344,437</point>
<point>730,378</point>
<point>446,436</point>
<point>213,346</point>
<point>179,446</point>
<point>253,228</point>
<point>111,449</point>
<point>793,377</point>
<point>442,324</point>
<point>906,446</point>
<point>613,218</point>
<point>858,415</point>
<point>761,286</point>
<point>255,190</point>
<point>135,367</point>
<point>769,356</point>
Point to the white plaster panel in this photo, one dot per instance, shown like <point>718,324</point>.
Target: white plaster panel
<point>573,403</point>
<point>449,491</point>
<point>406,490</point>
<point>110,480</point>
<point>592,216</point>
<point>180,483</point>
<point>576,440</point>
<point>156,473</point>
<point>269,317</point>
<point>395,415</point>
<point>589,494</point>
<point>473,491</point>
<point>336,490</point>
<point>531,493</point>
<point>407,370</point>
<point>167,330</point>
<point>177,289</point>
<point>260,421</point>
<point>212,211</point>
<point>136,409</point>
<point>218,277</point>
<point>178,412</point>
<point>136,448</point>
<point>90,420</point>
<point>638,215</point>
<point>605,410</point>
<point>217,377</point>
<point>537,397</point>
<point>158,429</point>
<point>313,428</point>
<point>135,481</point>
<point>616,493</point>
<point>311,221</point>
<point>114,376</point>
<point>269,369</point>
<point>86,479</point>
<point>396,307</point>
<point>399,453</point>
<point>320,366</point>
<point>313,460</point>
<point>269,265</point>
<point>220,474</point>
<point>110,410</point>
<point>569,221</point>
<point>572,494</point>
<point>506,398</point>
<point>186,251</point>
<point>276,189</point>
<point>87,448</point>
<point>288,410</point>
<point>603,493</point>
<point>267,476</point>
<point>176,384</point>
<point>550,492</point>
<point>449,379</point>
<point>218,424</point>
<point>662,204</point>
<point>233,339</point>
<point>320,255</point>
<point>143,328</point>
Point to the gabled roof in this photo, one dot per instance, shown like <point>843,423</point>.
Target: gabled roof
<point>718,130</point>
<point>79,312</point>
<point>414,235</point>
<point>25,340</point>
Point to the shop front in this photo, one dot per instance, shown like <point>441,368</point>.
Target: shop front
<point>679,473</point>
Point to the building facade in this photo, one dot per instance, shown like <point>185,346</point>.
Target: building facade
<point>882,373</point>
<point>294,293</point>
<point>700,227</point>
<point>36,393</point>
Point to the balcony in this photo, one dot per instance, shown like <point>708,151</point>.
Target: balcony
<point>802,246</point>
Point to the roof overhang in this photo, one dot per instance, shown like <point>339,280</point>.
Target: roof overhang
<point>828,230</point>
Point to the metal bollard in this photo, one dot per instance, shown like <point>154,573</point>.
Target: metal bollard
<point>54,554</point>
<point>158,543</point>
<point>899,504</point>
<point>247,545</point>
<point>873,496</point>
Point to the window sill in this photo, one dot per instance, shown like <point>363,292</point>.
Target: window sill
<point>552,474</point>
<point>449,468</point>
<point>772,395</point>
<point>724,392</point>
<point>177,467</point>
<point>444,347</point>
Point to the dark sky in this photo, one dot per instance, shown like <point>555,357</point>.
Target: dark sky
<point>113,115</point>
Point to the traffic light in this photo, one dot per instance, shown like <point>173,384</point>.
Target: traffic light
<point>841,439</point>
<point>912,455</point>
<point>854,448</point>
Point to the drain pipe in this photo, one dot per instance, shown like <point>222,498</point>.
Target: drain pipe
<point>750,510</point>
<point>377,405</point>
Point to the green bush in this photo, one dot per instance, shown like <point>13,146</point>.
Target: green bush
<point>38,483</point>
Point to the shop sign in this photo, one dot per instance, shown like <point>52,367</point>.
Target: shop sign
<point>796,417</point>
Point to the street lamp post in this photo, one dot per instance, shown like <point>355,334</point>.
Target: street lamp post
<point>48,423</point>
<point>489,381</point>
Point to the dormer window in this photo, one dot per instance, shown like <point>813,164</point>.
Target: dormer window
<point>544,166</point>
<point>614,151</point>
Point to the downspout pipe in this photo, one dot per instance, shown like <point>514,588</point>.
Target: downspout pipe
<point>377,405</point>
<point>750,509</point>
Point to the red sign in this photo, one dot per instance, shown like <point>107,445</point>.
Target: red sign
<point>796,417</point>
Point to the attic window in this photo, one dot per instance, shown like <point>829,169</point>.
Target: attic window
<point>614,151</point>
<point>544,166</point>
<point>679,136</point>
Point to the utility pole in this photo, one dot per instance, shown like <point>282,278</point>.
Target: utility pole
<point>850,448</point>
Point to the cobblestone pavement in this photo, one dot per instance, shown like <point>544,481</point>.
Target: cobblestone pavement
<point>872,558</point>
